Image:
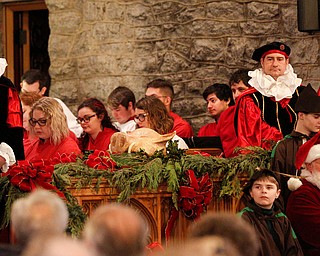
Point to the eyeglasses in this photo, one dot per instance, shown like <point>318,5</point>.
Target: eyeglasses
<point>85,119</point>
<point>140,117</point>
<point>41,122</point>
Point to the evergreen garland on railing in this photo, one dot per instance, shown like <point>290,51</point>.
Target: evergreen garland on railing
<point>137,171</point>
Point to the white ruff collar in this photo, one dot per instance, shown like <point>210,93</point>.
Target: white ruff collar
<point>281,88</point>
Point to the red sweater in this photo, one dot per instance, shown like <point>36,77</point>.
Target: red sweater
<point>102,141</point>
<point>208,130</point>
<point>182,127</point>
<point>37,149</point>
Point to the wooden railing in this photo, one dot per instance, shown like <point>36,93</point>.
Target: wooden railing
<point>155,207</point>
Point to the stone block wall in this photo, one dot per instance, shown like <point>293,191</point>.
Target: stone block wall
<point>97,45</point>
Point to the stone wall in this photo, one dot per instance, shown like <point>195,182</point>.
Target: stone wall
<point>97,45</point>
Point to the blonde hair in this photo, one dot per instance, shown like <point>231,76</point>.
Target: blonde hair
<point>57,120</point>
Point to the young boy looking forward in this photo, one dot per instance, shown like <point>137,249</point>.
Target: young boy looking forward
<point>272,226</point>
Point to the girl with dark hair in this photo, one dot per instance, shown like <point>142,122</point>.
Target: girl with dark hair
<point>96,124</point>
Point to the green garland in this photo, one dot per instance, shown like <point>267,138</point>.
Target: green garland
<point>137,171</point>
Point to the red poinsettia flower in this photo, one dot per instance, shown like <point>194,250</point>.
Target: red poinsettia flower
<point>100,160</point>
<point>64,158</point>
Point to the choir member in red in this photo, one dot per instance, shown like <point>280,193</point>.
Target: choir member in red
<point>49,124</point>
<point>275,90</point>
<point>163,90</point>
<point>239,83</point>
<point>96,125</point>
<point>219,98</point>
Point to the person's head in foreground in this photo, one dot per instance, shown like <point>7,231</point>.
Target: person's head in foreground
<point>204,246</point>
<point>116,230</point>
<point>228,226</point>
<point>58,245</point>
<point>39,213</point>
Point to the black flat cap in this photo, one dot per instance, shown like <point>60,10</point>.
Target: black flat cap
<point>276,47</point>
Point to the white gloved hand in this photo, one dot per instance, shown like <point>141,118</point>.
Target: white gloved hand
<point>7,153</point>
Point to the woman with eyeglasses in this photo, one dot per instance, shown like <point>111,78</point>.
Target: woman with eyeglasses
<point>27,100</point>
<point>96,124</point>
<point>151,113</point>
<point>49,125</point>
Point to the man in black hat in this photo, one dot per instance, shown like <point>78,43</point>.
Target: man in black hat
<point>308,124</point>
<point>271,98</point>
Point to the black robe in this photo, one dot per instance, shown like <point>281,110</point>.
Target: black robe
<point>11,134</point>
<point>274,231</point>
<point>283,159</point>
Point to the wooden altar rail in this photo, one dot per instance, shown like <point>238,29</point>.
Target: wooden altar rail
<point>155,207</point>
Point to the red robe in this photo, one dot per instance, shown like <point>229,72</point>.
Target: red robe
<point>250,128</point>
<point>182,127</point>
<point>303,210</point>
<point>102,141</point>
<point>226,132</point>
<point>37,149</point>
<point>208,130</point>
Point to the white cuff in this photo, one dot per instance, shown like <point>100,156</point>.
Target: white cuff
<point>7,153</point>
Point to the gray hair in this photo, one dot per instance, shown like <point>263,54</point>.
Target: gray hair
<point>40,212</point>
